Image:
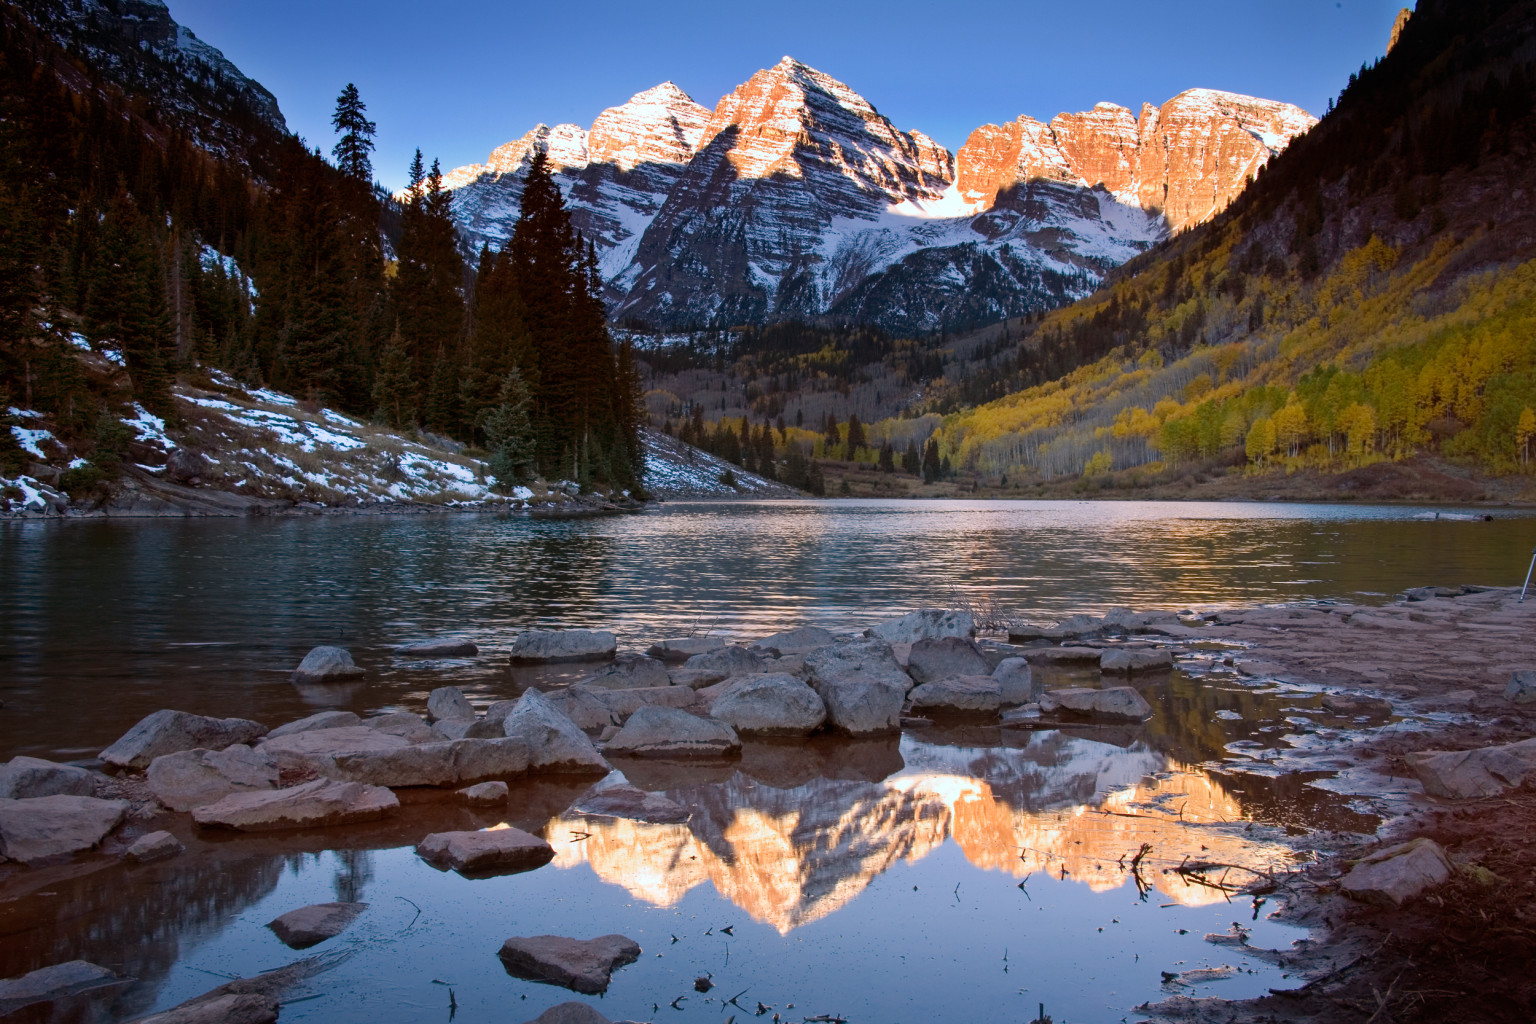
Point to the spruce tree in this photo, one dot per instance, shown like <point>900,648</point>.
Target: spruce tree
<point>509,433</point>
<point>911,461</point>
<point>932,468</point>
<point>351,151</point>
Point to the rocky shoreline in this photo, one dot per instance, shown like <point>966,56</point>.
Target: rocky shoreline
<point>686,703</point>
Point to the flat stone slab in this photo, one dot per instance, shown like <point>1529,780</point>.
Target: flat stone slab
<point>59,981</point>
<point>165,732</point>
<point>1130,661</point>
<point>1063,656</point>
<point>1392,876</point>
<point>679,649</point>
<point>654,731</point>
<point>1471,774</point>
<point>795,641</point>
<point>1113,703</point>
<point>320,803</point>
<point>312,925</point>
<point>153,846</point>
<point>408,727</point>
<point>320,720</point>
<point>316,749</point>
<point>219,1008</point>
<point>445,763</point>
<point>582,965</point>
<point>23,777</point>
<point>44,827</point>
<point>445,648</point>
<point>191,778</point>
<point>326,665</point>
<point>966,693</point>
<point>499,851</point>
<point>770,704</point>
<point>561,645</point>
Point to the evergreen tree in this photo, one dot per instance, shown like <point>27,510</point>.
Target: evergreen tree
<point>932,468</point>
<point>509,433</point>
<point>351,151</point>
<point>394,389</point>
<point>911,461</point>
<point>887,461</point>
<point>856,438</point>
<point>427,297</point>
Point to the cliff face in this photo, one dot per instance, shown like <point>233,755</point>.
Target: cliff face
<point>796,198</point>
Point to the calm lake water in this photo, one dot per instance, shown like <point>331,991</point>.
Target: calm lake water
<point>956,873</point>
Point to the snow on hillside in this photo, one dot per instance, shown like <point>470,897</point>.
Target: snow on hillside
<point>674,469</point>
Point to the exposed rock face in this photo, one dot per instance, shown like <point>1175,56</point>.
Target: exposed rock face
<point>447,703</point>
<point>796,198</point>
<point>44,827</point>
<point>312,925</point>
<point>166,732</point>
<point>584,966</point>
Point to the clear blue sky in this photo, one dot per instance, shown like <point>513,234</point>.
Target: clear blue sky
<point>459,79</point>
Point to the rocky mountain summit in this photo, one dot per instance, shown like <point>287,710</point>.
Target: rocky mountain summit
<point>796,198</point>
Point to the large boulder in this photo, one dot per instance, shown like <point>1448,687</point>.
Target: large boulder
<point>772,704</point>
<point>861,685</point>
<point>22,777</point>
<point>624,703</point>
<point>312,925</point>
<point>554,742</point>
<point>1015,681</point>
<point>945,658</point>
<point>584,707</point>
<point>1113,703</point>
<point>1130,660</point>
<point>679,649</point>
<point>166,732</point>
<point>654,731</point>
<point>924,624</point>
<point>490,851</point>
<point>1390,877</point>
<point>629,671</point>
<point>317,721</point>
<point>447,763</point>
<point>407,726</point>
<point>54,983</point>
<point>192,778</point>
<point>320,803</point>
<point>326,665</point>
<point>584,966</point>
<point>722,664</point>
<point>801,640</point>
<point>442,648</point>
<point>447,703</point>
<point>315,749</point>
<point>1470,774</point>
<point>560,645</point>
<point>1522,687</point>
<point>43,827</point>
<point>963,693</point>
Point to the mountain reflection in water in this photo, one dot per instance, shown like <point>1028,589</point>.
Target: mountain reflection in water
<point>790,856</point>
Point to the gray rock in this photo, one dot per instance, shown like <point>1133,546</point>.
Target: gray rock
<point>861,685</point>
<point>315,750</point>
<point>620,800</point>
<point>23,777</point>
<point>624,703</point>
<point>570,1013</point>
<point>1392,876</point>
<point>166,732</point>
<point>50,984</point>
<point>477,760</point>
<point>560,645</point>
<point>553,741</point>
<point>865,659</point>
<point>1113,703</point>
<point>1123,620</point>
<point>584,966</point>
<point>153,846</point>
<point>192,778</point>
<point>924,624</point>
<point>1016,683</point>
<point>43,827</point>
<point>326,665</point>
<point>447,703</point>
<point>629,671</point>
<point>312,925</point>
<point>1353,705</point>
<point>945,658</point>
<point>584,707</point>
<point>1522,687</point>
<point>320,803</point>
<point>498,712</point>
<point>695,679</point>
<point>447,763</point>
<point>444,648</point>
<point>493,851</point>
<point>724,663</point>
<point>795,641</point>
<point>321,720</point>
<point>484,794</point>
<point>770,704</point>
<point>226,1008</point>
<point>679,649</point>
<point>455,728</point>
<point>1078,656</point>
<point>405,725</point>
<point>1130,661</point>
<point>669,733</point>
<point>964,693</point>
<point>1470,774</point>
<point>1081,625</point>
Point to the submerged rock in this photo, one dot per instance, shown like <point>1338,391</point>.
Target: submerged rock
<point>166,732</point>
<point>320,803</point>
<point>59,981</point>
<point>626,801</point>
<point>192,778</point>
<point>964,693</point>
<point>444,648</point>
<point>585,966</point>
<point>945,658</point>
<point>561,645</point>
<point>447,703</point>
<point>1392,876</point>
<point>553,741</point>
<point>326,665</point>
<point>153,846</point>
<point>219,1007</point>
<point>23,777</point>
<point>312,925</point>
<point>1471,774</point>
<point>1129,661</point>
<point>667,732</point>
<point>1351,705</point>
<point>491,851</point>
<point>315,722</point>
<point>924,624</point>
<point>43,827</point>
<point>629,671</point>
<point>1115,703</point>
<point>772,704</point>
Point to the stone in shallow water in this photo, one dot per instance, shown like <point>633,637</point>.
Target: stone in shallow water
<point>192,778</point>
<point>945,658</point>
<point>153,846</point>
<point>491,851</point>
<point>624,801</point>
<point>409,727</point>
<point>314,804</point>
<point>326,665</point>
<point>584,707</point>
<point>1063,656</point>
<point>316,749</point>
<point>861,685</point>
<point>1114,703</point>
<point>1470,774</point>
<point>1016,682</point>
<point>924,624</point>
<point>50,984</point>
<point>560,645</point>
<point>312,925</point>
<point>1127,661</point>
<point>773,704</point>
<point>22,777</point>
<point>680,649</point>
<point>444,648</point>
<point>447,703</point>
<point>624,703</point>
<point>320,720</point>
<point>44,827</point>
<point>654,731</point>
<point>1389,877</point>
<point>219,1008</point>
<point>581,965</point>
<point>1522,687</point>
<point>629,671</point>
<point>965,693</point>
<point>722,664</point>
<point>554,742</point>
<point>570,1013</point>
<point>165,732</point>
<point>484,794</point>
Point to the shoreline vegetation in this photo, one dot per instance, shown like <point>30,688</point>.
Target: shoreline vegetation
<point>1392,915</point>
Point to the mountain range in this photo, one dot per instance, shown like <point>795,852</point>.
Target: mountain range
<point>796,199</point>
